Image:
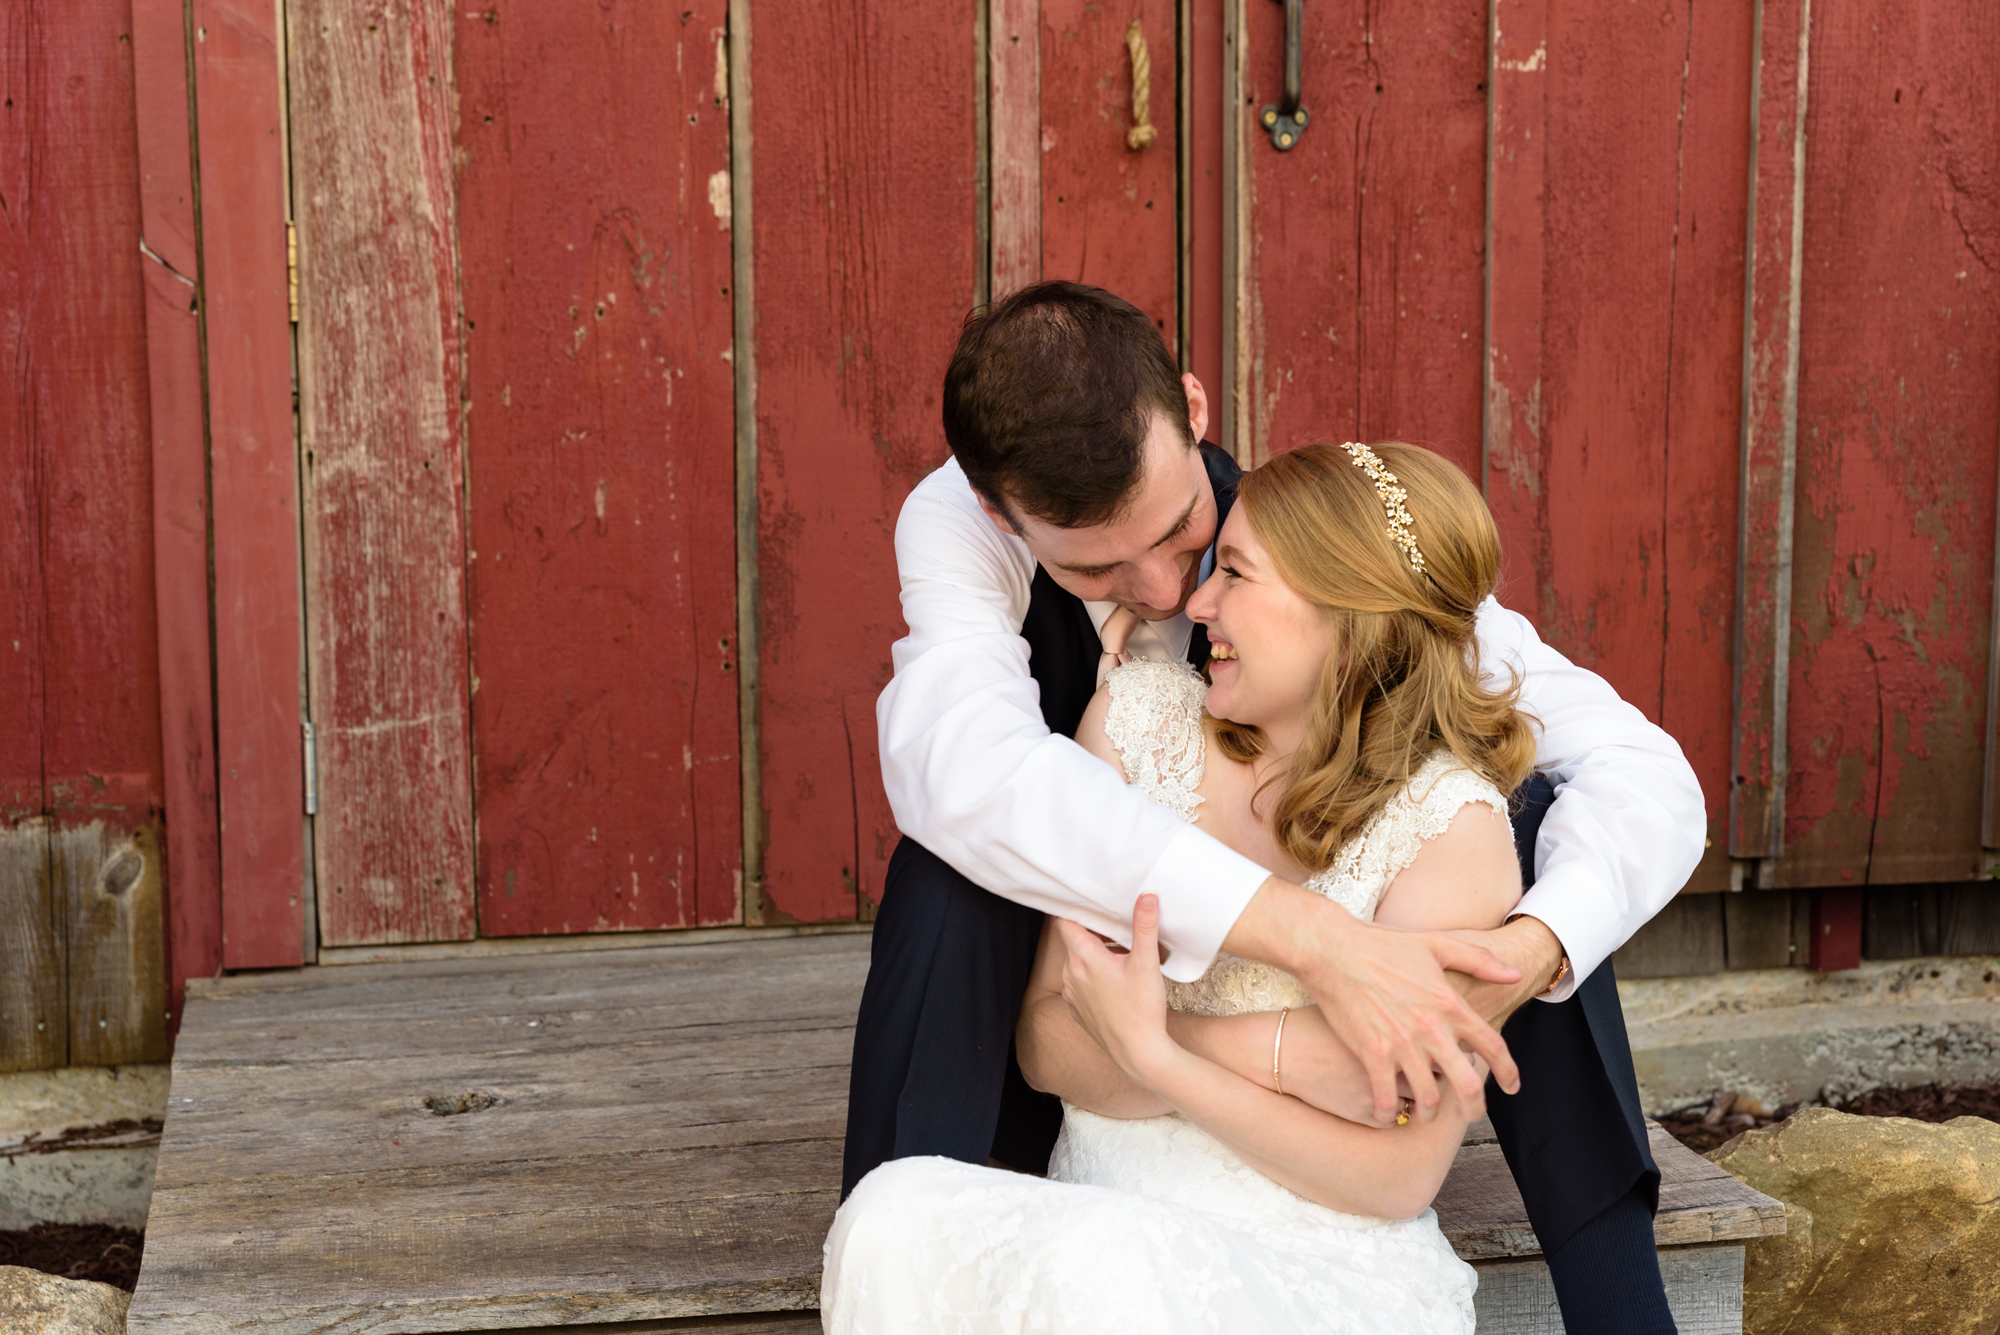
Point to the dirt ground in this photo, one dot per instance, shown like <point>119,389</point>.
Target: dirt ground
<point>1703,1129</point>
<point>77,1251</point>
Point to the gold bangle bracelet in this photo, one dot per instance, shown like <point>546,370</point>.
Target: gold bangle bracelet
<point>1278,1051</point>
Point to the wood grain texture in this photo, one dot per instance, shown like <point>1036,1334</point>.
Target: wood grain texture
<point>34,995</point>
<point>1480,1209</point>
<point>1911,921</point>
<point>1204,185</point>
<point>1773,292</point>
<point>1107,210</point>
<point>1898,412</point>
<point>594,208</point>
<point>657,1136</point>
<point>1688,936</point>
<point>83,747</point>
<point>1014,108</point>
<point>1704,1292</point>
<point>866,259</point>
<point>254,483</point>
<point>665,1141</point>
<point>180,495</point>
<point>112,878</point>
<point>1619,174</point>
<point>1364,244</point>
<point>382,468</point>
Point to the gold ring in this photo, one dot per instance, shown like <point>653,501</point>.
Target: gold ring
<point>1403,1113</point>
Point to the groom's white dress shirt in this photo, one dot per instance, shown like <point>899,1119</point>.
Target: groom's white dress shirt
<point>975,775</point>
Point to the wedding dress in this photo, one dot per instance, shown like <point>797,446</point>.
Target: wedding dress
<point>1151,1225</point>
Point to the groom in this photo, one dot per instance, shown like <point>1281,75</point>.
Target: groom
<point>1079,485</point>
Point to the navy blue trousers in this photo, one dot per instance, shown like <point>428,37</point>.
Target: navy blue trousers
<point>934,1073</point>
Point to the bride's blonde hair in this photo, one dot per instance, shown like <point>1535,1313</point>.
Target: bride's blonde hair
<point>1403,679</point>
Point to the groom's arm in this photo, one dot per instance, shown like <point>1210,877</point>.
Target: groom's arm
<point>974,774</point>
<point>1627,826</point>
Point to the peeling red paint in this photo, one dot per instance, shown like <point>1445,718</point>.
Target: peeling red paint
<point>1899,413</point>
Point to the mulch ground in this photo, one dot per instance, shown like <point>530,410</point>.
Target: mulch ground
<point>1704,1129</point>
<point>77,1251</point>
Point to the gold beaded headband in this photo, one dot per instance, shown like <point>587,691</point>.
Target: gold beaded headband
<point>1401,526</point>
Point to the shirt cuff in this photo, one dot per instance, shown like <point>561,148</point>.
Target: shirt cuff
<point>1203,887</point>
<point>1563,904</point>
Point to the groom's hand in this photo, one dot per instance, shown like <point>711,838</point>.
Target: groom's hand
<point>1385,993</point>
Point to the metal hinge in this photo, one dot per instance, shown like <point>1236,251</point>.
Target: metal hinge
<point>292,268</point>
<point>312,771</point>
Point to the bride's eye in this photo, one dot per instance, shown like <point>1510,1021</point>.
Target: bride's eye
<point>1231,571</point>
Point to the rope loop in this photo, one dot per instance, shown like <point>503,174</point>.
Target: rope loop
<point>1142,132</point>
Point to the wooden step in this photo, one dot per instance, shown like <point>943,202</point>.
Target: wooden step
<point>648,1136</point>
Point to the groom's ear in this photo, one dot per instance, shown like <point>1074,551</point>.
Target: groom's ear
<point>1197,398</point>
<point>996,514</point>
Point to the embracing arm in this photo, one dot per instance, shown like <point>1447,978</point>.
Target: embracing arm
<point>1628,824</point>
<point>1464,878</point>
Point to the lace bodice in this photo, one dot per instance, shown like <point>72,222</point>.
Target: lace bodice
<point>1155,722</point>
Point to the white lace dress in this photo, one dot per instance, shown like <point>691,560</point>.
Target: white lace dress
<point>1151,1225</point>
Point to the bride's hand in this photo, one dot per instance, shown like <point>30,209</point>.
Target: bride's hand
<point>1120,997</point>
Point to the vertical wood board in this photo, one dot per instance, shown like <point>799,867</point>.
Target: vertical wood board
<point>594,226</point>
<point>1014,119</point>
<point>77,445</point>
<point>193,856</point>
<point>865,259</point>
<point>1108,208</point>
<point>1365,244</point>
<point>1771,303</point>
<point>254,482</point>
<point>1898,414</point>
<point>382,469</point>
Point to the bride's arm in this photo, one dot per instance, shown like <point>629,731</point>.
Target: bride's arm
<point>1464,878</point>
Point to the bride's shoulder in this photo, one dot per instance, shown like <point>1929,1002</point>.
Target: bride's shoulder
<point>1440,788</point>
<point>1146,721</point>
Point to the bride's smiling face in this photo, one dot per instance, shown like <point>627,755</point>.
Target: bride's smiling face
<point>1268,644</point>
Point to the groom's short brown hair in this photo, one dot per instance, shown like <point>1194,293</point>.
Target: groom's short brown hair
<point>1049,398</point>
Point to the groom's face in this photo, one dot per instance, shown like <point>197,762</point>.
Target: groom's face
<point>1147,558</point>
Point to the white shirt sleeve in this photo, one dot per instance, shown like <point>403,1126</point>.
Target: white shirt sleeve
<point>1628,824</point>
<point>974,774</point>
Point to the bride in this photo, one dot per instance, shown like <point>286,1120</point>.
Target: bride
<point>1343,738</point>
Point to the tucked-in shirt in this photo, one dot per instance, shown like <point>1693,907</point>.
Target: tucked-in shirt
<point>974,774</point>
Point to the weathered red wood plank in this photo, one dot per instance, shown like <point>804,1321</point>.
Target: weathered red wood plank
<point>1107,207</point>
<point>1704,413</point>
<point>254,482</point>
<point>865,254</point>
<point>33,1030</point>
<point>1772,295</point>
<point>180,497</point>
<point>1014,108</point>
<point>594,225</point>
<point>1366,236</point>
<point>1619,170</point>
<point>1204,193</point>
<point>383,470</point>
<point>1514,463</point>
<point>1837,919</point>
<point>1899,410</point>
<point>81,415</point>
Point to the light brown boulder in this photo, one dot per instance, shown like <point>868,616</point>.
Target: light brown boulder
<point>32,1303</point>
<point>1892,1225</point>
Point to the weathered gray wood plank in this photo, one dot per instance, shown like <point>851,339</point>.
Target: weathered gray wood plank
<point>1480,1208</point>
<point>1704,1292</point>
<point>34,998</point>
<point>111,880</point>
<point>664,1148</point>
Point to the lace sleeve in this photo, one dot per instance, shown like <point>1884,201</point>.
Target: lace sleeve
<point>1155,722</point>
<point>1420,813</point>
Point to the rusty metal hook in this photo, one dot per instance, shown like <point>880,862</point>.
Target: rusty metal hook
<point>1287,120</point>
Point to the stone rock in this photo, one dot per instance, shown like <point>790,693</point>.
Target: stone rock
<point>1892,1225</point>
<point>32,1303</point>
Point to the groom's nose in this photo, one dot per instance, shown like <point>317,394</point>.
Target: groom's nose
<point>1159,580</point>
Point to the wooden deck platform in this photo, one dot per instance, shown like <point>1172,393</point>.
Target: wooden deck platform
<point>632,1136</point>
